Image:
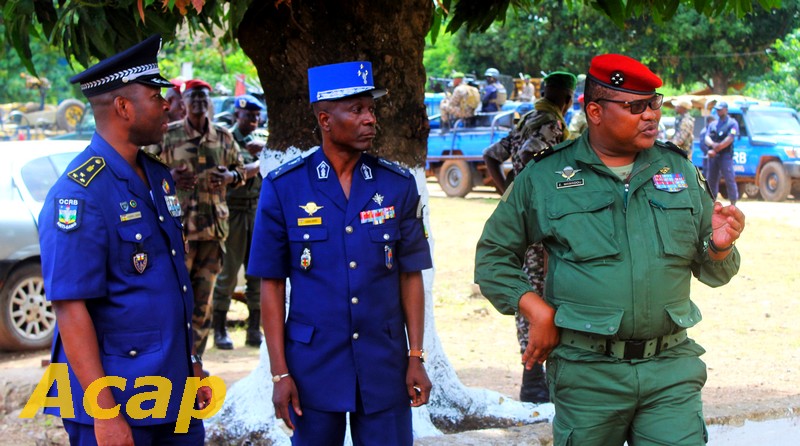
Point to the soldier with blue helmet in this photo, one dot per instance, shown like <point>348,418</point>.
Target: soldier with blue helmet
<point>242,203</point>
<point>116,209</point>
<point>346,229</point>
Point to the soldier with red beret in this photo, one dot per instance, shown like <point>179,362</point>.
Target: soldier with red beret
<point>626,221</point>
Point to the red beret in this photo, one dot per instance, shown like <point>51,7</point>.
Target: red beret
<point>622,73</point>
<point>196,83</point>
<point>177,84</point>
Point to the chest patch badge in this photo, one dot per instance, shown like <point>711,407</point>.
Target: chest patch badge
<point>173,205</point>
<point>568,172</point>
<point>311,208</point>
<point>378,198</point>
<point>68,214</point>
<point>377,216</point>
<point>165,186</point>
<point>140,261</point>
<point>670,182</point>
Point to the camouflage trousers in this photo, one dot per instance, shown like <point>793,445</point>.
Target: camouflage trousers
<point>534,268</point>
<point>237,254</point>
<point>204,262</point>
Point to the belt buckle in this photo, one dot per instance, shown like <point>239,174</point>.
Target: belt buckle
<point>634,349</point>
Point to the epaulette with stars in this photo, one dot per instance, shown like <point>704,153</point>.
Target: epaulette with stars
<point>286,167</point>
<point>155,157</point>
<point>670,146</point>
<point>394,167</point>
<point>86,172</point>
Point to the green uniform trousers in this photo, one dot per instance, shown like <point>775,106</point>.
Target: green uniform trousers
<point>237,254</point>
<point>650,402</point>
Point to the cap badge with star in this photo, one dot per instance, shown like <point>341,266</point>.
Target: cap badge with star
<point>623,73</point>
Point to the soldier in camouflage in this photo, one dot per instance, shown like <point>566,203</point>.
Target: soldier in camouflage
<point>242,203</point>
<point>537,130</point>
<point>684,126</point>
<point>205,162</point>
<point>461,103</point>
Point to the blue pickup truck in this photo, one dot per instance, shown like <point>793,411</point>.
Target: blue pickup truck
<point>455,156</point>
<point>766,151</point>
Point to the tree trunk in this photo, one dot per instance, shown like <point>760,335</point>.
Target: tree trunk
<point>720,82</point>
<point>284,41</point>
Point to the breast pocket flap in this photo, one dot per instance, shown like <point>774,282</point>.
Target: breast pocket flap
<point>308,234</point>
<point>384,235</point>
<point>135,233</point>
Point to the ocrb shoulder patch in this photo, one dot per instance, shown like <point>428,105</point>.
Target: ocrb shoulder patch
<point>86,172</point>
<point>68,213</point>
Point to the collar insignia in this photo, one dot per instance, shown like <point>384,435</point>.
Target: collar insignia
<point>323,169</point>
<point>366,172</point>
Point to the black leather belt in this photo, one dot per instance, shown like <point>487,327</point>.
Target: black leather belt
<point>630,349</point>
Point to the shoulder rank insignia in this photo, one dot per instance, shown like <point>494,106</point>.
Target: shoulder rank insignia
<point>86,172</point>
<point>155,157</point>
<point>286,167</point>
<point>394,167</point>
<point>672,147</point>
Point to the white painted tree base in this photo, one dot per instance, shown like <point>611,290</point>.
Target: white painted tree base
<point>248,414</point>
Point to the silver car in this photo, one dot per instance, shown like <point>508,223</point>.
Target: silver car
<point>28,169</point>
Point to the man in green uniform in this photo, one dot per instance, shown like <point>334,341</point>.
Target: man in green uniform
<point>204,161</point>
<point>626,222</point>
<point>242,204</point>
<point>539,129</point>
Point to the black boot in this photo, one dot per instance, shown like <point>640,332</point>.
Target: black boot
<point>254,336</point>
<point>534,386</point>
<point>221,339</point>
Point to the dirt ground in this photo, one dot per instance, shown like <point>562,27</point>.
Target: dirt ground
<point>749,327</point>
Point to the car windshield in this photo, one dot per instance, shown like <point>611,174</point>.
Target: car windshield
<point>764,122</point>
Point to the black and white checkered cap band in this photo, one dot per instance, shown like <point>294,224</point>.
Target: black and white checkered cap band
<point>126,76</point>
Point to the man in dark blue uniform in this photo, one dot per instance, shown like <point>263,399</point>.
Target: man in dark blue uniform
<point>346,229</point>
<point>719,138</point>
<point>112,260</point>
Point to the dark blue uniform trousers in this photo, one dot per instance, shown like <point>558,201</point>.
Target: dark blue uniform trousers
<point>722,165</point>
<point>155,435</point>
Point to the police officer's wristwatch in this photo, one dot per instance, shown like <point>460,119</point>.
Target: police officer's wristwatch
<point>414,353</point>
<point>196,359</point>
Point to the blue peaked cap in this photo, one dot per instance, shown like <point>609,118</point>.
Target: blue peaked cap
<point>248,102</point>
<point>341,80</point>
